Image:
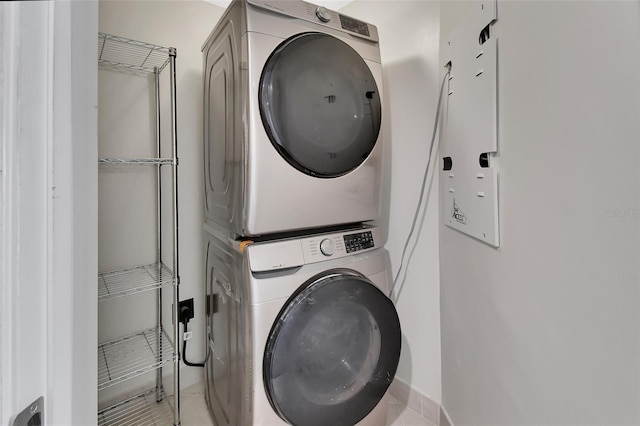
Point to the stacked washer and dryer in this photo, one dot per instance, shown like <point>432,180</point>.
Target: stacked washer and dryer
<point>299,328</point>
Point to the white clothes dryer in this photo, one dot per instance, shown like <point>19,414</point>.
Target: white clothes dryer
<point>292,118</point>
<point>300,331</point>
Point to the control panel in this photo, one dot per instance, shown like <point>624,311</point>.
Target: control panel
<point>320,15</point>
<point>359,241</point>
<point>331,246</point>
<point>290,253</point>
<point>354,25</point>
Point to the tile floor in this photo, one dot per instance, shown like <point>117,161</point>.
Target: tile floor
<point>399,414</point>
<point>194,411</point>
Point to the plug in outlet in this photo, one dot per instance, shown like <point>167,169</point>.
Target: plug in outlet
<point>185,310</point>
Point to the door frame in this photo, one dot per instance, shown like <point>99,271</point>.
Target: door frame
<point>48,210</point>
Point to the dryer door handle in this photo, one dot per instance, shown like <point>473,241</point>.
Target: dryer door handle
<point>212,304</point>
<point>211,309</point>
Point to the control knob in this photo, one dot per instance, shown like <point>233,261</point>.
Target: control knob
<point>327,247</point>
<point>323,14</point>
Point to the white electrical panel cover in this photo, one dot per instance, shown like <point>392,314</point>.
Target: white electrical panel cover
<point>469,147</point>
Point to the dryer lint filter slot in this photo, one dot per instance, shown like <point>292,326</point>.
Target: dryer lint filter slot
<point>469,141</point>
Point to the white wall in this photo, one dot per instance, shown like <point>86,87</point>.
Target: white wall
<point>546,329</point>
<point>409,34</point>
<point>125,125</point>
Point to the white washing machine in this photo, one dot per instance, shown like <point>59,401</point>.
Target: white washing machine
<point>292,118</point>
<point>300,330</point>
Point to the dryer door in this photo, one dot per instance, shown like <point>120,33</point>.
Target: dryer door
<point>332,352</point>
<point>320,105</point>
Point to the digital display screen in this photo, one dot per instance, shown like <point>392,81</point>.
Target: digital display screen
<point>354,25</point>
<point>359,241</point>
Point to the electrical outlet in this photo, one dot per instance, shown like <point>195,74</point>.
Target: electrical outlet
<point>185,310</point>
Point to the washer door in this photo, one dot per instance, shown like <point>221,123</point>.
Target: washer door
<point>332,352</point>
<point>320,105</point>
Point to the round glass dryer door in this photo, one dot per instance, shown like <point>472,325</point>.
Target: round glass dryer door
<point>320,105</point>
<point>332,352</point>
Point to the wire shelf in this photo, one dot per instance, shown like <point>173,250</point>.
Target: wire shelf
<point>136,161</point>
<point>122,359</point>
<point>131,55</point>
<point>130,281</point>
<point>140,410</point>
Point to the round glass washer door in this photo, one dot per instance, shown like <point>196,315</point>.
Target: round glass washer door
<point>320,105</point>
<point>332,351</point>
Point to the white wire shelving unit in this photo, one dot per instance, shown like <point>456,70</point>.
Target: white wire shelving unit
<point>128,357</point>
<point>139,410</point>
<point>136,161</point>
<point>149,350</point>
<point>131,55</point>
<point>138,279</point>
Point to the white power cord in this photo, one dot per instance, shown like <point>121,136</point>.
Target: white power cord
<point>424,182</point>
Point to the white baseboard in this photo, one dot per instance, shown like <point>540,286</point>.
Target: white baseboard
<point>445,420</point>
<point>418,402</point>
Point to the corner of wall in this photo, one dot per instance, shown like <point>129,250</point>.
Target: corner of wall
<point>416,401</point>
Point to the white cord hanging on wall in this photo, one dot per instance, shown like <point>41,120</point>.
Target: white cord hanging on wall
<point>469,148</point>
